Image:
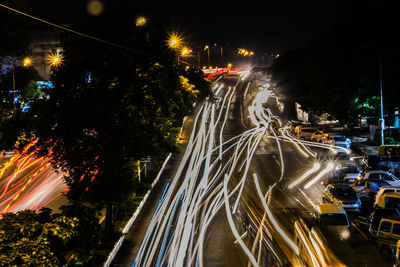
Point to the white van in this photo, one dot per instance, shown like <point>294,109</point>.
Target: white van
<point>334,217</point>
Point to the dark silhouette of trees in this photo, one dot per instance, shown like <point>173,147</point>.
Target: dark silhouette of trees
<point>338,72</point>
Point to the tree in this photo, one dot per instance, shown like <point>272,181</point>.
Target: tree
<point>86,242</point>
<point>28,238</point>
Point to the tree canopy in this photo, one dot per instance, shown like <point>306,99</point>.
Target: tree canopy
<point>35,239</point>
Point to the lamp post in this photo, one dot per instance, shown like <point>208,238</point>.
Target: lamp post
<point>26,62</point>
<point>208,49</point>
<point>381,120</point>
<point>13,83</point>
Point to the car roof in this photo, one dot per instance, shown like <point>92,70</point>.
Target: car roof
<point>389,187</point>
<point>330,208</point>
<point>306,127</point>
<point>391,194</point>
<point>376,171</point>
<point>347,164</point>
<point>397,219</point>
<point>340,185</point>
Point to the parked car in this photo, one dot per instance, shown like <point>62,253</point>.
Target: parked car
<point>349,171</point>
<point>383,190</point>
<point>388,235</point>
<point>376,216</point>
<point>317,136</point>
<point>381,175</point>
<point>389,200</point>
<point>304,132</point>
<point>389,150</point>
<point>342,194</point>
<point>341,140</point>
<point>368,188</point>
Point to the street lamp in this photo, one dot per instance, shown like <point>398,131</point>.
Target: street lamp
<point>27,62</point>
<point>208,49</point>
<point>382,120</point>
<point>185,51</point>
<point>141,21</point>
<point>55,60</point>
<point>174,41</point>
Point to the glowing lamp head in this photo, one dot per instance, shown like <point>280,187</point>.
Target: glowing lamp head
<point>55,60</point>
<point>174,41</point>
<point>185,51</point>
<point>26,62</point>
<point>141,21</point>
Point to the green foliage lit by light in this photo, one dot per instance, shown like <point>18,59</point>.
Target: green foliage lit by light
<point>28,238</point>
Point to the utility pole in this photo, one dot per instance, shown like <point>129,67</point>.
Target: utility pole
<point>13,83</point>
<point>222,57</point>
<point>381,120</point>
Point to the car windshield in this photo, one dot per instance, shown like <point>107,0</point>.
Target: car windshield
<point>343,192</point>
<point>334,219</point>
<point>350,169</point>
<point>392,202</point>
<point>383,183</point>
<point>388,212</point>
<point>340,138</point>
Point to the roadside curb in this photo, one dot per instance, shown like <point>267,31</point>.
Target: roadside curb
<point>128,225</point>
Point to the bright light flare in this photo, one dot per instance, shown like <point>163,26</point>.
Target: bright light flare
<point>26,62</point>
<point>315,168</point>
<point>141,21</point>
<point>185,51</point>
<point>55,60</point>
<point>328,168</point>
<point>345,234</point>
<point>174,40</point>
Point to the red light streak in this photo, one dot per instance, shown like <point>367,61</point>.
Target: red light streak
<point>29,182</point>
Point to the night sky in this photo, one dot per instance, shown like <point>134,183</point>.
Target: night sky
<point>276,25</point>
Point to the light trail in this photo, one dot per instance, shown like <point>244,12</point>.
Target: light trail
<point>198,183</point>
<point>315,168</point>
<point>271,217</point>
<point>29,182</point>
<point>328,168</point>
<point>211,178</point>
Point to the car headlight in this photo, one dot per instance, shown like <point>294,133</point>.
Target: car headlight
<point>345,234</point>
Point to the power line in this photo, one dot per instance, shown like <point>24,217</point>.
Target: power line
<point>72,31</point>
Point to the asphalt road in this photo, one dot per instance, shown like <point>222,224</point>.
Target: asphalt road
<point>228,203</point>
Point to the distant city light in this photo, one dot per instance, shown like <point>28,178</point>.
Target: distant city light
<point>140,21</point>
